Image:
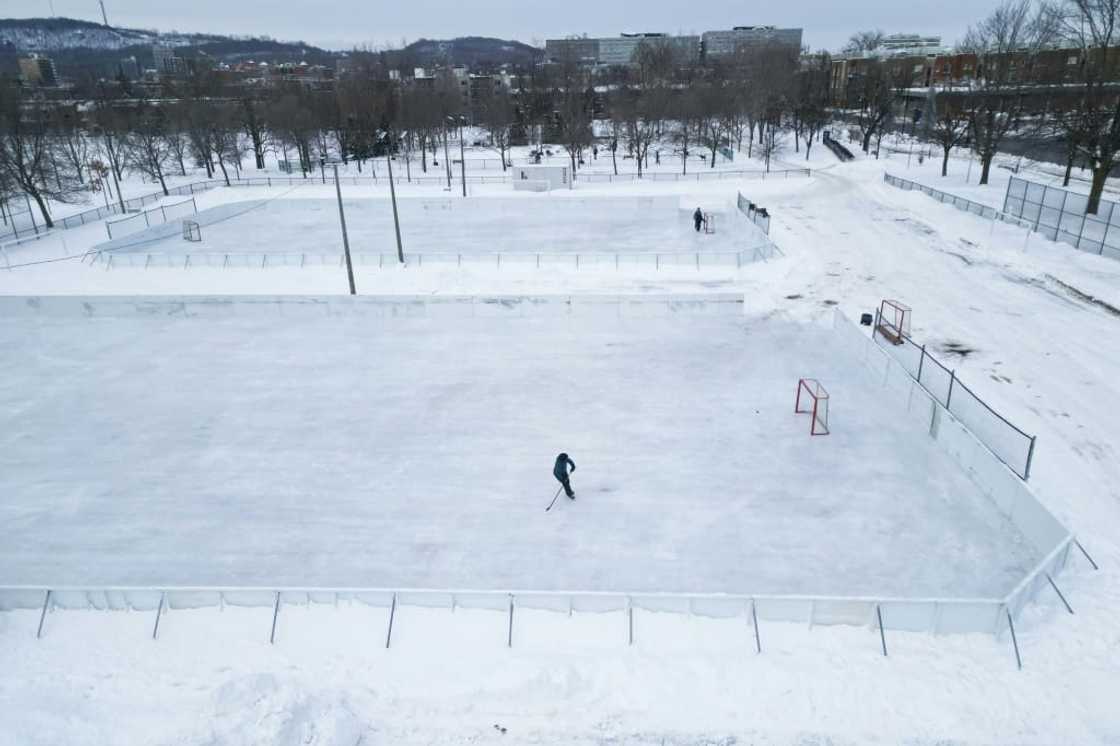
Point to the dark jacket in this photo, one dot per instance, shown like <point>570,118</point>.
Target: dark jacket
<point>560,469</point>
<point>698,217</point>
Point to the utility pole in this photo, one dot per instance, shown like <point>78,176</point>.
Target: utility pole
<point>446,157</point>
<point>345,240</point>
<point>462,157</point>
<point>104,18</point>
<point>393,197</point>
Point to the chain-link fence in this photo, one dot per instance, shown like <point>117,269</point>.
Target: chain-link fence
<point>1010,444</point>
<point>757,215</point>
<point>147,218</point>
<point>596,261</point>
<point>1059,214</point>
<point>966,205</point>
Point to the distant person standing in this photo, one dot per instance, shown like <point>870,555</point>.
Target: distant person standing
<point>698,218</point>
<point>560,471</point>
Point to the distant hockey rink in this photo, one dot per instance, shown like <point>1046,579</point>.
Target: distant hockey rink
<point>527,224</point>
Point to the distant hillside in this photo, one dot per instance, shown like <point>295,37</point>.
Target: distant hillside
<point>81,47</point>
<point>56,34</point>
<point>473,51</point>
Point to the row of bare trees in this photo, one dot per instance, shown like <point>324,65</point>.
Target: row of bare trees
<point>59,152</point>
<point>1041,71</point>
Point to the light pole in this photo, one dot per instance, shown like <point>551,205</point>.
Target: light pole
<point>462,157</point>
<point>345,239</point>
<point>393,198</point>
<point>446,157</point>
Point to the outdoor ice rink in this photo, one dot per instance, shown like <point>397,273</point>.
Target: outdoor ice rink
<point>310,450</point>
<point>557,223</point>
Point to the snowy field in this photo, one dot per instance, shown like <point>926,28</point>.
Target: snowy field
<point>1024,321</point>
<point>298,450</point>
<point>563,222</point>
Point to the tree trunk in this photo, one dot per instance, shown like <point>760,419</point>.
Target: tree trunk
<point>986,161</point>
<point>614,158</point>
<point>50,223</point>
<point>945,162</point>
<point>1100,173</point>
<point>867,139</point>
<point>1069,169</point>
<point>222,165</point>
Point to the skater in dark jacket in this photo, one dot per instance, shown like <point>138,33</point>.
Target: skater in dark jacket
<point>698,219</point>
<point>560,471</point>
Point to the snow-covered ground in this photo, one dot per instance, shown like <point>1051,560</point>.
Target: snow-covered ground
<point>1013,313</point>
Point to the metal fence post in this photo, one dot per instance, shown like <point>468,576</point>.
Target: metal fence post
<point>1055,587</point>
<point>1030,459</point>
<point>754,621</point>
<point>882,635</point>
<point>952,380</point>
<point>276,613</point>
<point>392,613</point>
<point>159,613</point>
<point>43,616</point>
<point>921,362</point>
<point>509,637</point>
<point>1014,641</point>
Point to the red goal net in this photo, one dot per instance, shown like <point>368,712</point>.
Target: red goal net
<point>894,321</point>
<point>812,399</point>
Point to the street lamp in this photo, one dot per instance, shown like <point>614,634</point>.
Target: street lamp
<point>446,157</point>
<point>393,196</point>
<point>459,121</point>
<point>345,238</point>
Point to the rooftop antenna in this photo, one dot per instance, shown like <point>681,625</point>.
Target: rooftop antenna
<point>104,18</point>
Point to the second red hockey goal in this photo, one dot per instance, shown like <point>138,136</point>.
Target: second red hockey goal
<point>812,399</point>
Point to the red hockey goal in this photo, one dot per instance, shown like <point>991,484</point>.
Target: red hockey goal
<point>812,399</point>
<point>894,321</point>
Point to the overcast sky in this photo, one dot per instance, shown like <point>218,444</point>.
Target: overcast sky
<point>340,24</point>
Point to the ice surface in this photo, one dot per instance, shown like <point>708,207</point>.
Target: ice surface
<point>564,223</point>
<point>311,451</point>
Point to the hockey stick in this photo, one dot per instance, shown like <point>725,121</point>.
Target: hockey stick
<point>554,499</point>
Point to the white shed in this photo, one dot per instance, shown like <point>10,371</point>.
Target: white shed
<point>541,178</point>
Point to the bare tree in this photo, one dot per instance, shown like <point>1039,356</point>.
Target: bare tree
<point>27,160</point>
<point>251,113</point>
<point>496,115</point>
<point>573,113</point>
<point>146,143</point>
<point>864,41</point>
<point>636,112</point>
<point>950,125</point>
<point>875,92</point>
<point>176,122</point>
<point>715,113</point>
<point>1005,44</point>
<point>689,122</point>
<point>1093,127</point>
<point>811,98</point>
<point>74,141</point>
